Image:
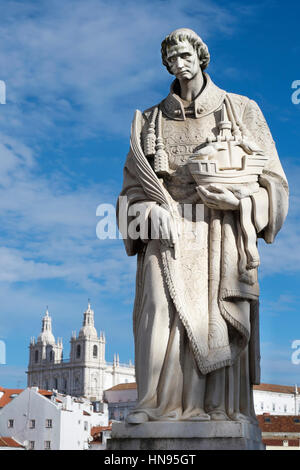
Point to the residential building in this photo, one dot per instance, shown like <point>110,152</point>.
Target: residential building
<point>43,420</point>
<point>120,399</point>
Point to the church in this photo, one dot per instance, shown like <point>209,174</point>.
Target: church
<point>86,373</point>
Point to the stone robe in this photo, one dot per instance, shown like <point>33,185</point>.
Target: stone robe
<point>196,324</point>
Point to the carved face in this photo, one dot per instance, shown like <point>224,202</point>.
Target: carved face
<point>183,60</point>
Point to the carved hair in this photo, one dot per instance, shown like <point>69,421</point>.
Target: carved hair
<point>185,34</point>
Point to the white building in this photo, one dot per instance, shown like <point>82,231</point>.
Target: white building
<point>86,373</point>
<point>276,399</point>
<point>121,399</point>
<point>55,423</point>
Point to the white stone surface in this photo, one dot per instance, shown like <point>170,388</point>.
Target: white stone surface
<point>167,429</point>
<point>185,436</point>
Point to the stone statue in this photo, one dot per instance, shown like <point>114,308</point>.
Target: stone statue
<point>204,177</point>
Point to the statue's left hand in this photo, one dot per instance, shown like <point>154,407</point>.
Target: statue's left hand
<point>216,196</point>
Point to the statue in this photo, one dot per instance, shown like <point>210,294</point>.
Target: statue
<point>204,177</point>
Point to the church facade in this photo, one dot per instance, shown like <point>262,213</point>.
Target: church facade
<point>86,373</point>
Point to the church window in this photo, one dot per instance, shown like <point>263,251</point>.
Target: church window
<point>55,383</point>
<point>78,350</point>
<point>51,355</point>
<point>65,384</point>
<point>95,351</point>
<point>36,355</point>
<point>46,385</point>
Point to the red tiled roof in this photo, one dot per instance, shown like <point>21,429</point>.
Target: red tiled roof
<point>279,423</point>
<point>126,386</point>
<point>8,393</point>
<point>9,442</point>
<point>274,388</point>
<point>98,429</point>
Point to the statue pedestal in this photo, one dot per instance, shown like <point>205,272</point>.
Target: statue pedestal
<point>186,435</point>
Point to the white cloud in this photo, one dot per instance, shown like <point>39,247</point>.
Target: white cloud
<point>86,60</point>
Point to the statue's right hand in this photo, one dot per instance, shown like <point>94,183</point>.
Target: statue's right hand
<point>163,226</point>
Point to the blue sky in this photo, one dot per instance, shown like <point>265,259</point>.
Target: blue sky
<point>75,72</point>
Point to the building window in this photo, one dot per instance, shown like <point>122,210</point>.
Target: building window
<point>47,445</point>
<point>86,426</point>
<point>273,406</point>
<point>48,423</point>
<point>46,385</point>
<point>51,355</point>
<point>36,355</point>
<point>55,383</point>
<point>78,350</point>
<point>32,424</point>
<point>285,408</point>
<point>95,351</point>
<point>31,445</point>
<point>261,405</point>
<point>10,423</point>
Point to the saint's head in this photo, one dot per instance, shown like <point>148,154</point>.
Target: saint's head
<point>184,53</point>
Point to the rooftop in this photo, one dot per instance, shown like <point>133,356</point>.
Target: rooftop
<point>9,442</point>
<point>126,386</point>
<point>275,388</point>
<point>10,393</point>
